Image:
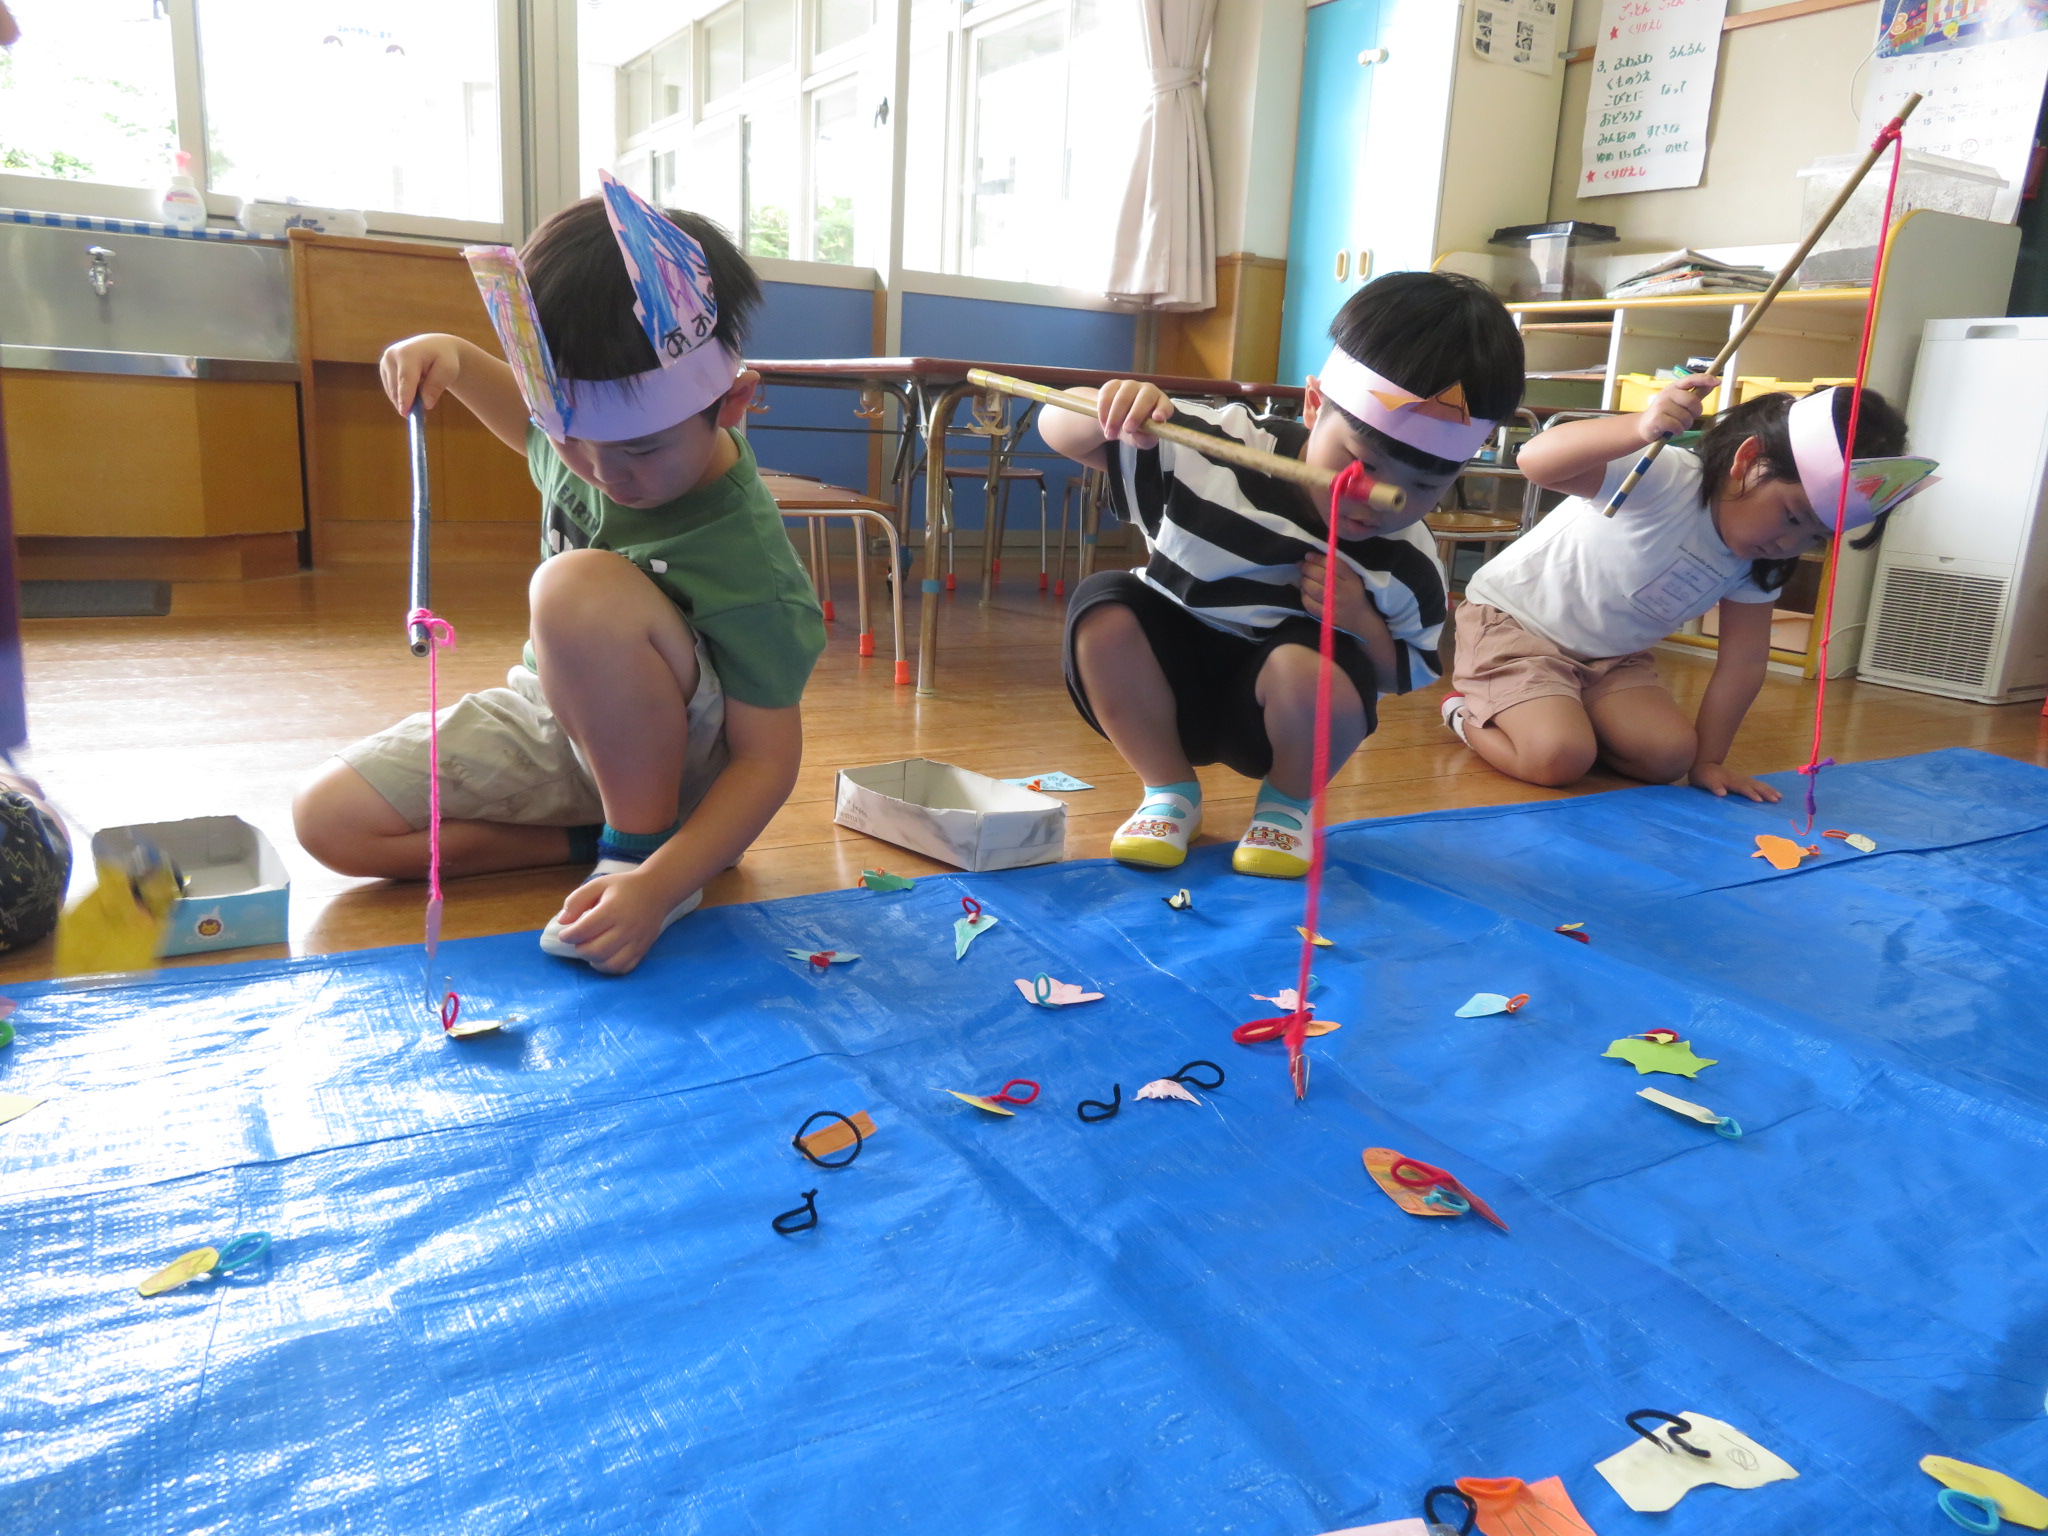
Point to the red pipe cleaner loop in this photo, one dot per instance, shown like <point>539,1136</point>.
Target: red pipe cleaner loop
<point>1003,1095</point>
<point>1411,1173</point>
<point>451,1010</point>
<point>972,907</point>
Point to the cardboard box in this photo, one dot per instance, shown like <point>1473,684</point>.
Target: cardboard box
<point>236,891</point>
<point>952,815</point>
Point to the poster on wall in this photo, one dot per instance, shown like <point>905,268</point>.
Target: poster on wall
<point>1521,34</point>
<point>1652,95</point>
<point>1982,67</point>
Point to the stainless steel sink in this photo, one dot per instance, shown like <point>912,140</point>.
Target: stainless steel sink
<point>69,296</point>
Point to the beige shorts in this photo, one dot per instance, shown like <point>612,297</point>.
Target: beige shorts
<point>1499,664</point>
<point>504,757</point>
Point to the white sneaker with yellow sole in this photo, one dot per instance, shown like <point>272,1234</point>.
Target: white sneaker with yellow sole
<point>1157,833</point>
<point>1278,850</point>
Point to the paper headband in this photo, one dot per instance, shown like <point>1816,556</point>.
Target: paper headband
<point>1875,485</point>
<point>673,299</point>
<point>1440,424</point>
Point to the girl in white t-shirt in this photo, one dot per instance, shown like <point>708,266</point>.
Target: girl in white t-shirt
<point>1553,668</point>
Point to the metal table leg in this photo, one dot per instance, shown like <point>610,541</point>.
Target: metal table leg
<point>937,424</point>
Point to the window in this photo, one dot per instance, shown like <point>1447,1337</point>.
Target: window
<point>89,93</point>
<point>392,107</point>
<point>836,171</point>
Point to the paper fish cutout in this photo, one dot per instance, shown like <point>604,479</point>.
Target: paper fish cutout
<point>467,1027</point>
<point>1692,1111</point>
<point>2016,1501</point>
<point>971,927</point>
<point>13,1106</point>
<point>1574,931</point>
<point>1058,994</point>
<point>994,1102</point>
<point>119,925</point>
<point>980,1101</point>
<point>1180,900</point>
<point>821,958</point>
<point>882,880</point>
<point>182,1270</point>
<point>1484,1003</point>
<point>1673,1056</point>
<point>1781,851</point>
<point>1318,940</point>
<point>1651,1476</point>
<point>1510,1507</point>
<point>1409,1527</point>
<point>7,1007</point>
<point>836,1136</point>
<point>1451,1198</point>
<point>1855,840</point>
<point>1253,1033</point>
<point>1052,783</point>
<point>1166,1088</point>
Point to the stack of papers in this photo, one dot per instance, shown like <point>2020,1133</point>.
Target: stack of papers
<point>1690,272</point>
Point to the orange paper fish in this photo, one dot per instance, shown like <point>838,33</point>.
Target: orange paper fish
<point>1781,851</point>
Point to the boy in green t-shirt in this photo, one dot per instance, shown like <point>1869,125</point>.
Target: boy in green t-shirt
<point>653,725</point>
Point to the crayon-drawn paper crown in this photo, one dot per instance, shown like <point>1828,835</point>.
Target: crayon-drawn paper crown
<point>1875,485</point>
<point>671,296</point>
<point>1439,424</point>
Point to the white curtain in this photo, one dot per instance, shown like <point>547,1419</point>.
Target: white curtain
<point>1165,250</point>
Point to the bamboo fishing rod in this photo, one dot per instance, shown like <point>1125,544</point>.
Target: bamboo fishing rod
<point>1381,498</point>
<point>1885,137</point>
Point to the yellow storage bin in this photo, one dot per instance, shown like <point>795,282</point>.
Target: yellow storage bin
<point>1634,391</point>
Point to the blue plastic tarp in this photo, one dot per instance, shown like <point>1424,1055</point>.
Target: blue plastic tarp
<point>528,1282</point>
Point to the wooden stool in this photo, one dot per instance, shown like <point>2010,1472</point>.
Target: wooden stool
<point>815,502</point>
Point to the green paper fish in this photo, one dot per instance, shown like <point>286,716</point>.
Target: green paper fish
<point>967,929</point>
<point>1673,1056</point>
<point>882,880</point>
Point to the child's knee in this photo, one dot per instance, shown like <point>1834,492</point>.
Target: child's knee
<point>584,584</point>
<point>341,820</point>
<point>1554,763</point>
<point>1287,681</point>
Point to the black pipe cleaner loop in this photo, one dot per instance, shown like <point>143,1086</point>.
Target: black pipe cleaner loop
<point>804,1130</point>
<point>1187,1074</point>
<point>1102,1111</point>
<point>1470,1509</point>
<point>1680,1428</point>
<point>802,1219</point>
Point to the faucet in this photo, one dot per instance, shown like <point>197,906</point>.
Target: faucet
<point>101,273</point>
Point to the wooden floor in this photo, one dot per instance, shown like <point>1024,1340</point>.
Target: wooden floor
<point>226,704</point>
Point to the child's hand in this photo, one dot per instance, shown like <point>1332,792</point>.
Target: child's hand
<point>1676,407</point>
<point>1355,612</point>
<point>614,919</point>
<point>1124,406</point>
<point>1718,781</point>
<point>422,365</point>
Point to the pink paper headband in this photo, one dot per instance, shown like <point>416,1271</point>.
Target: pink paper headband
<point>1875,485</point>
<point>673,299</point>
<point>1440,424</point>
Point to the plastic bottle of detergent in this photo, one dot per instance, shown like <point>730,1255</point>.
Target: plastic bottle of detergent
<point>182,205</point>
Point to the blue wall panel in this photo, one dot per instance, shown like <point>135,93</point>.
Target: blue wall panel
<point>802,320</point>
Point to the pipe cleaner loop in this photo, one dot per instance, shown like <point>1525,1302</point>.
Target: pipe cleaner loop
<point>1448,1200</point>
<point>1679,1429</point>
<point>972,908</point>
<point>242,1252</point>
<point>1003,1095</point>
<point>451,1010</point>
<point>1972,1511</point>
<point>801,1219</point>
<point>1187,1074</point>
<point>804,1130</point>
<point>1102,1111</point>
<point>1471,1507</point>
<point>1041,990</point>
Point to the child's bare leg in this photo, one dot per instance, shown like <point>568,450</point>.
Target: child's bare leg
<point>1129,694</point>
<point>1643,734</point>
<point>1287,693</point>
<point>1547,741</point>
<point>618,667</point>
<point>345,824</point>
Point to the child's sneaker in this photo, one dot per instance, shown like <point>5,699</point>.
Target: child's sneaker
<point>1157,833</point>
<point>1276,849</point>
<point>551,941</point>
<point>1453,711</point>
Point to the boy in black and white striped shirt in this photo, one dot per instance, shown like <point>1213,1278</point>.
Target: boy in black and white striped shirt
<point>1209,653</point>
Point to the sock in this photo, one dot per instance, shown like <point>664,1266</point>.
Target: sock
<point>583,843</point>
<point>1189,790</point>
<point>1283,810</point>
<point>630,847</point>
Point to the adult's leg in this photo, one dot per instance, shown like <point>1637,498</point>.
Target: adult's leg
<point>1547,740</point>
<point>1643,734</point>
<point>348,826</point>
<point>1128,693</point>
<point>1286,691</point>
<point>618,667</point>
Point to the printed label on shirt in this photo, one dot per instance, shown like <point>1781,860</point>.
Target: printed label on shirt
<point>1686,589</point>
<point>562,530</point>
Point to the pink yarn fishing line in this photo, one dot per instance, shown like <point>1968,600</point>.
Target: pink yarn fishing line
<point>440,634</point>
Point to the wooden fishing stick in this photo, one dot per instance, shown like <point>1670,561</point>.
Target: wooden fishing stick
<point>416,433</point>
<point>1381,498</point>
<point>1884,141</point>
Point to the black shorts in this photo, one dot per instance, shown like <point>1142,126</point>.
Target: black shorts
<point>1214,675</point>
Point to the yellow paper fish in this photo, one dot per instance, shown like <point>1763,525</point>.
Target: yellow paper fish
<point>119,925</point>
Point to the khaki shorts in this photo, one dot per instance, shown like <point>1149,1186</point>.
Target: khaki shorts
<point>504,757</point>
<point>1499,664</point>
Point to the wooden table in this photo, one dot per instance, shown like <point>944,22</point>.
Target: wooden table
<point>928,390</point>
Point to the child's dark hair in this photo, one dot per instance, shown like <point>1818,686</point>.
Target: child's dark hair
<point>1880,433</point>
<point>585,299</point>
<point>1427,331</point>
